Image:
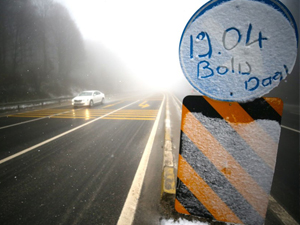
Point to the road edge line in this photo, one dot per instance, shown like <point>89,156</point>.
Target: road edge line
<point>289,128</point>
<point>280,212</point>
<point>130,205</point>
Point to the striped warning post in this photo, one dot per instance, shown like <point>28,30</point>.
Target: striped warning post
<point>227,158</point>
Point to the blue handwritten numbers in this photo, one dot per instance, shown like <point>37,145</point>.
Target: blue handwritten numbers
<point>231,53</point>
<point>207,50</point>
<point>259,40</point>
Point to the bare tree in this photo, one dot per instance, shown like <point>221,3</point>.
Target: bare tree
<point>40,47</point>
<point>68,43</point>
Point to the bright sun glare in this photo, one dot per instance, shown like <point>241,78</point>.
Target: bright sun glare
<point>144,35</point>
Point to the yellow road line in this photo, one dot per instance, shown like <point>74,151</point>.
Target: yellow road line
<point>88,114</point>
<point>126,118</point>
<point>60,135</point>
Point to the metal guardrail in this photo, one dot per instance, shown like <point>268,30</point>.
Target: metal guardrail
<point>25,104</point>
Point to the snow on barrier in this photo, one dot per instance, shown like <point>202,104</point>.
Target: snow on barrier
<point>227,158</point>
<point>238,50</point>
<point>235,52</point>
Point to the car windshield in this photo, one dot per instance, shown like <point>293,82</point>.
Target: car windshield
<point>85,93</point>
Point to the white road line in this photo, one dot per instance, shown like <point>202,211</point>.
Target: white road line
<point>280,212</point>
<point>175,97</point>
<point>60,135</point>
<point>285,127</point>
<point>16,124</point>
<point>178,103</point>
<point>129,208</point>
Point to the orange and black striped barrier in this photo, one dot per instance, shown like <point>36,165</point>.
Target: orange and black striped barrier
<point>227,158</point>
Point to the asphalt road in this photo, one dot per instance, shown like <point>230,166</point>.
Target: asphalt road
<point>79,164</point>
<point>84,175</point>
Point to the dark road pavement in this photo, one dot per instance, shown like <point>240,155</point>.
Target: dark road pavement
<point>81,177</point>
<point>61,165</point>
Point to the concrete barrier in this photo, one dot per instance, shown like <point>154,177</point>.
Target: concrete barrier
<point>168,177</point>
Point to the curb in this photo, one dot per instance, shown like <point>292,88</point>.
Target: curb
<point>168,177</point>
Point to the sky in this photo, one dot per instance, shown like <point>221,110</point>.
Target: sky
<point>144,35</point>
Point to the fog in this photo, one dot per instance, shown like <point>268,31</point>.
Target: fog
<point>59,47</point>
<point>144,36</point>
<point>288,90</point>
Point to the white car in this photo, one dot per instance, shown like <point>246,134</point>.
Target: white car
<point>88,98</point>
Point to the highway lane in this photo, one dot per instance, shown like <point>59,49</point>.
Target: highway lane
<point>26,129</point>
<point>59,181</point>
<point>82,177</point>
